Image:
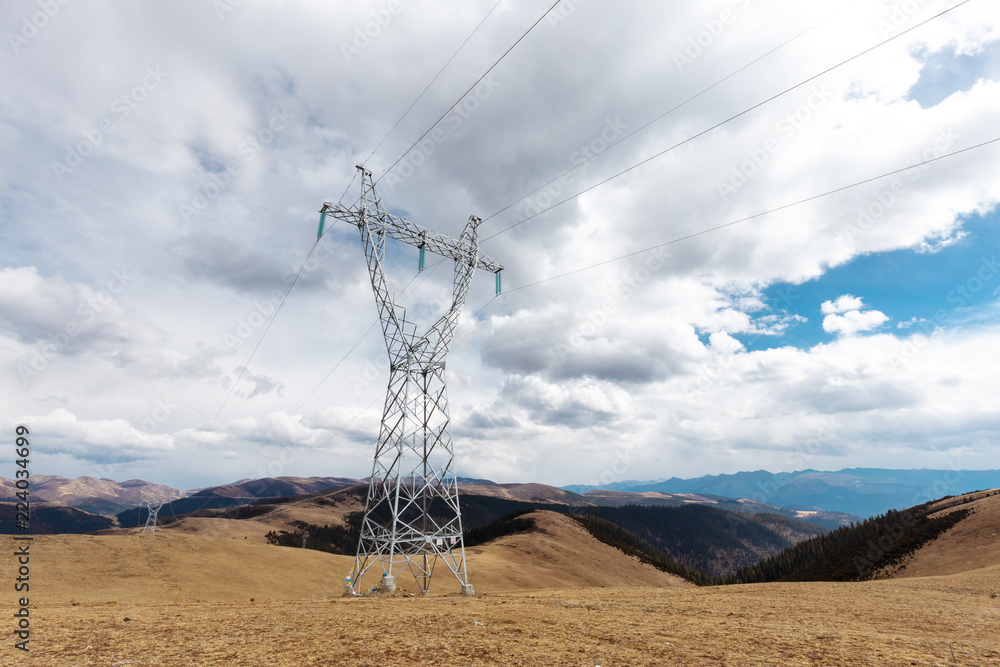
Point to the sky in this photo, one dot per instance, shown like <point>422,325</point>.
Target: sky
<point>735,235</point>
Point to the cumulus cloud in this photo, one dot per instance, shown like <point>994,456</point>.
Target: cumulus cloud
<point>842,304</point>
<point>845,316</point>
<point>205,195</point>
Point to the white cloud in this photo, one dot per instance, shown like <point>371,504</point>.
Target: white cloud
<point>551,382</point>
<point>844,316</point>
<point>842,304</point>
<point>913,321</point>
<point>854,321</point>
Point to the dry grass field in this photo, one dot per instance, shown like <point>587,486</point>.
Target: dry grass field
<point>554,597</point>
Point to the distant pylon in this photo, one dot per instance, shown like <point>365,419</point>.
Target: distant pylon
<point>412,517</point>
<point>151,519</point>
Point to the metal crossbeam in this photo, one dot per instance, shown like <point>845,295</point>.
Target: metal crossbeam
<point>412,516</point>
<point>380,221</point>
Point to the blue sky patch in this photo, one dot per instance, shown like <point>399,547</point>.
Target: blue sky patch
<point>908,286</point>
<point>945,73</point>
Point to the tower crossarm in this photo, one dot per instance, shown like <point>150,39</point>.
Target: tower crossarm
<point>403,230</point>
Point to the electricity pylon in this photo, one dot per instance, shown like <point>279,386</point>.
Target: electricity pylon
<point>151,518</point>
<point>412,517</point>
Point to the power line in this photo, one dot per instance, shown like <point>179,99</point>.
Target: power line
<point>302,402</point>
<point>597,265</point>
<point>246,361</point>
<point>367,407</point>
<point>720,124</point>
<point>427,87</point>
<point>259,493</point>
<point>271,319</point>
<point>462,96</point>
<point>348,188</point>
<point>662,116</point>
<point>261,336</point>
<point>751,217</point>
<point>309,395</point>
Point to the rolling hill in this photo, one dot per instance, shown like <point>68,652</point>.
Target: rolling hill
<point>930,535</point>
<point>550,595</point>
<point>178,565</point>
<point>709,539</point>
<point>971,544</point>
<point>52,518</point>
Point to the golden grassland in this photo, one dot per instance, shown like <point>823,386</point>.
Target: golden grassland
<point>554,597</point>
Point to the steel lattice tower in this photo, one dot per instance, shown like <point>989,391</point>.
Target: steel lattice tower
<point>412,516</point>
<point>151,517</point>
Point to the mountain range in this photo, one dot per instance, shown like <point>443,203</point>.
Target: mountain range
<point>825,498</point>
<point>861,492</point>
<point>98,496</point>
<point>125,500</point>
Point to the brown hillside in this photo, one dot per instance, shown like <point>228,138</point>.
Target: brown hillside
<point>559,554</point>
<point>971,544</point>
<point>921,621</point>
<point>537,493</point>
<point>327,508</point>
<point>173,565</point>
